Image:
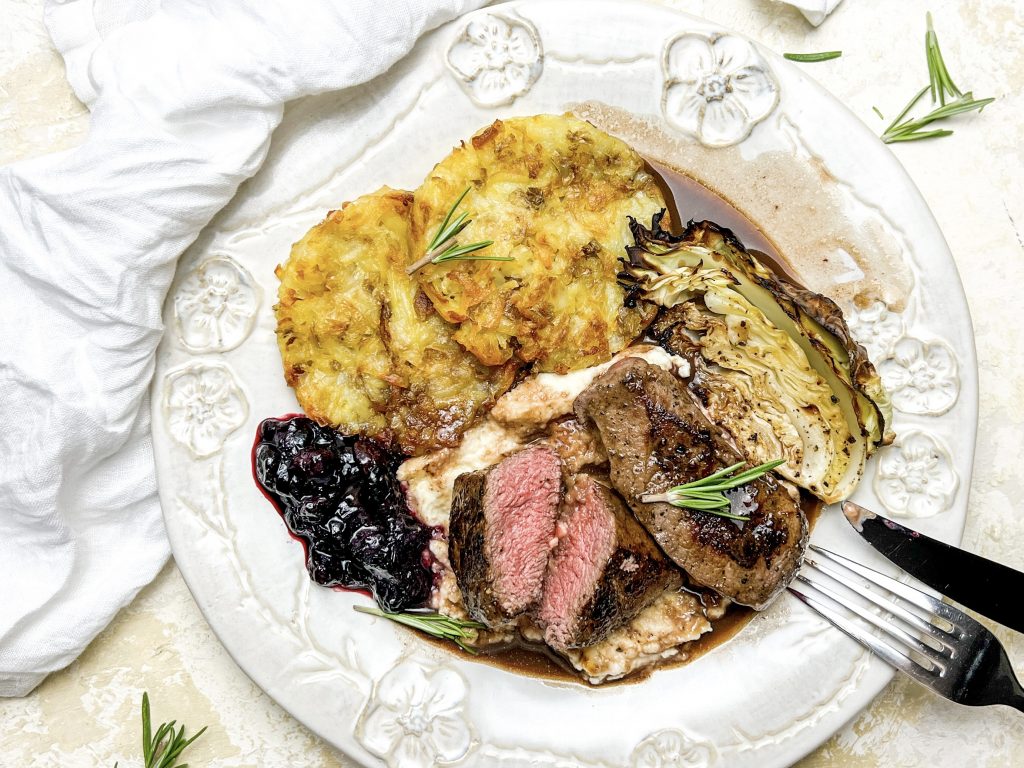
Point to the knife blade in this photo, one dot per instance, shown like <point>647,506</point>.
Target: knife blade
<point>990,588</point>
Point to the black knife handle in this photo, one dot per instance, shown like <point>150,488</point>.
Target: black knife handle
<point>985,586</point>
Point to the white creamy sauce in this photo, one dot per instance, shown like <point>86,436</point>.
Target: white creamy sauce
<point>655,633</point>
<point>430,479</point>
<point>548,396</point>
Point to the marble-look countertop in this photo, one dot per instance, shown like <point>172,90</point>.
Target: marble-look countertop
<point>87,715</point>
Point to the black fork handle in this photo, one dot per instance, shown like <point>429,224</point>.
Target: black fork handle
<point>992,680</point>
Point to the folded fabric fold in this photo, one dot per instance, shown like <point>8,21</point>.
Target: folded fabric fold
<point>815,11</point>
<point>184,97</point>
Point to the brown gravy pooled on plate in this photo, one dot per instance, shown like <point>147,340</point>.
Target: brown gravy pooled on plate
<point>687,199</point>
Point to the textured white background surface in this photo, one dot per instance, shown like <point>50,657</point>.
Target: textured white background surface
<point>87,715</point>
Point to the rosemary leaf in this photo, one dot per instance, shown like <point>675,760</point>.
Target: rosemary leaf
<point>715,476</point>
<point>940,83</point>
<point>453,229</point>
<point>147,729</point>
<point>435,624</point>
<point>438,239</point>
<point>910,130</point>
<point>708,493</point>
<point>460,252</point>
<point>906,109</point>
<point>161,749</point>
<point>944,92</point>
<point>443,247</point>
<point>917,136</point>
<point>809,57</point>
<point>691,502</point>
<point>700,493</point>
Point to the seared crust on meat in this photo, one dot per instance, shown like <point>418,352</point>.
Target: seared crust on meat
<point>656,437</point>
<point>466,549</point>
<point>634,576</point>
<point>501,533</point>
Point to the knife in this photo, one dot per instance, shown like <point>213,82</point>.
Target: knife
<point>985,586</point>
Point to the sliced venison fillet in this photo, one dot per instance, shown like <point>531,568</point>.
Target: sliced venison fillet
<point>501,532</point>
<point>657,437</point>
<point>604,571</point>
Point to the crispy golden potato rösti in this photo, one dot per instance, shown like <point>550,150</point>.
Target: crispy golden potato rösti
<point>554,193</point>
<point>361,343</point>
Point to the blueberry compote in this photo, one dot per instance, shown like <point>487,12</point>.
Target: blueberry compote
<point>339,495</point>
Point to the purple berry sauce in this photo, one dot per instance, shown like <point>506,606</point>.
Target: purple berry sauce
<point>340,497</point>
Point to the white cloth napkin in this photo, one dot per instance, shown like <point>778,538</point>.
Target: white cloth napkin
<point>815,11</point>
<point>184,95</point>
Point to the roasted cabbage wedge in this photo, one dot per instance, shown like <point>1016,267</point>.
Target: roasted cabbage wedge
<point>362,345</point>
<point>774,363</point>
<point>554,193</point>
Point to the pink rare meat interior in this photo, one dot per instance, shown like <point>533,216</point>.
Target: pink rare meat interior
<point>578,562</point>
<point>521,506</point>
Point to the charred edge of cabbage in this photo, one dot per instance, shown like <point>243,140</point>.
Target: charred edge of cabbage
<point>818,317</point>
<point>862,374</point>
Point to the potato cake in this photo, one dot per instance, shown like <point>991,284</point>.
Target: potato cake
<point>362,345</point>
<point>554,193</point>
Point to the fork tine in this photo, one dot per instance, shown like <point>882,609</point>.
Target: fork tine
<point>910,594</point>
<point>976,670</point>
<point>865,638</point>
<point>947,613</point>
<point>936,657</point>
<point>907,617</point>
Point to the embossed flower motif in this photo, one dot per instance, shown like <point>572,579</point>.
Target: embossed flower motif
<point>672,749</point>
<point>203,405</point>
<point>915,477</point>
<point>921,378</point>
<point>716,88</point>
<point>415,717</point>
<point>496,58</point>
<point>876,329</point>
<point>216,305</point>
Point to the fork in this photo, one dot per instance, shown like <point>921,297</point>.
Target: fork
<point>936,644</point>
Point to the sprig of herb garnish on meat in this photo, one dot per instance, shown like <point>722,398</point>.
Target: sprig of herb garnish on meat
<point>444,248</point>
<point>941,87</point>
<point>436,624</point>
<point>811,57</point>
<point>707,494</point>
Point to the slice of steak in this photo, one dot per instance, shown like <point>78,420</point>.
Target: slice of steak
<point>501,532</point>
<point>656,437</point>
<point>604,571</point>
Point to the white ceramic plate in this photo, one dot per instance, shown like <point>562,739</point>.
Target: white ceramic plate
<point>747,124</point>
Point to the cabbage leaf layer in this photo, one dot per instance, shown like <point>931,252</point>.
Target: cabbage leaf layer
<point>774,363</point>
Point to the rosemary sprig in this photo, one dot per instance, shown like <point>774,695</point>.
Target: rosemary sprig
<point>161,749</point>
<point>707,494</point>
<point>939,81</point>
<point>436,624</point>
<point>443,248</point>
<point>809,57</point>
<point>941,87</point>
